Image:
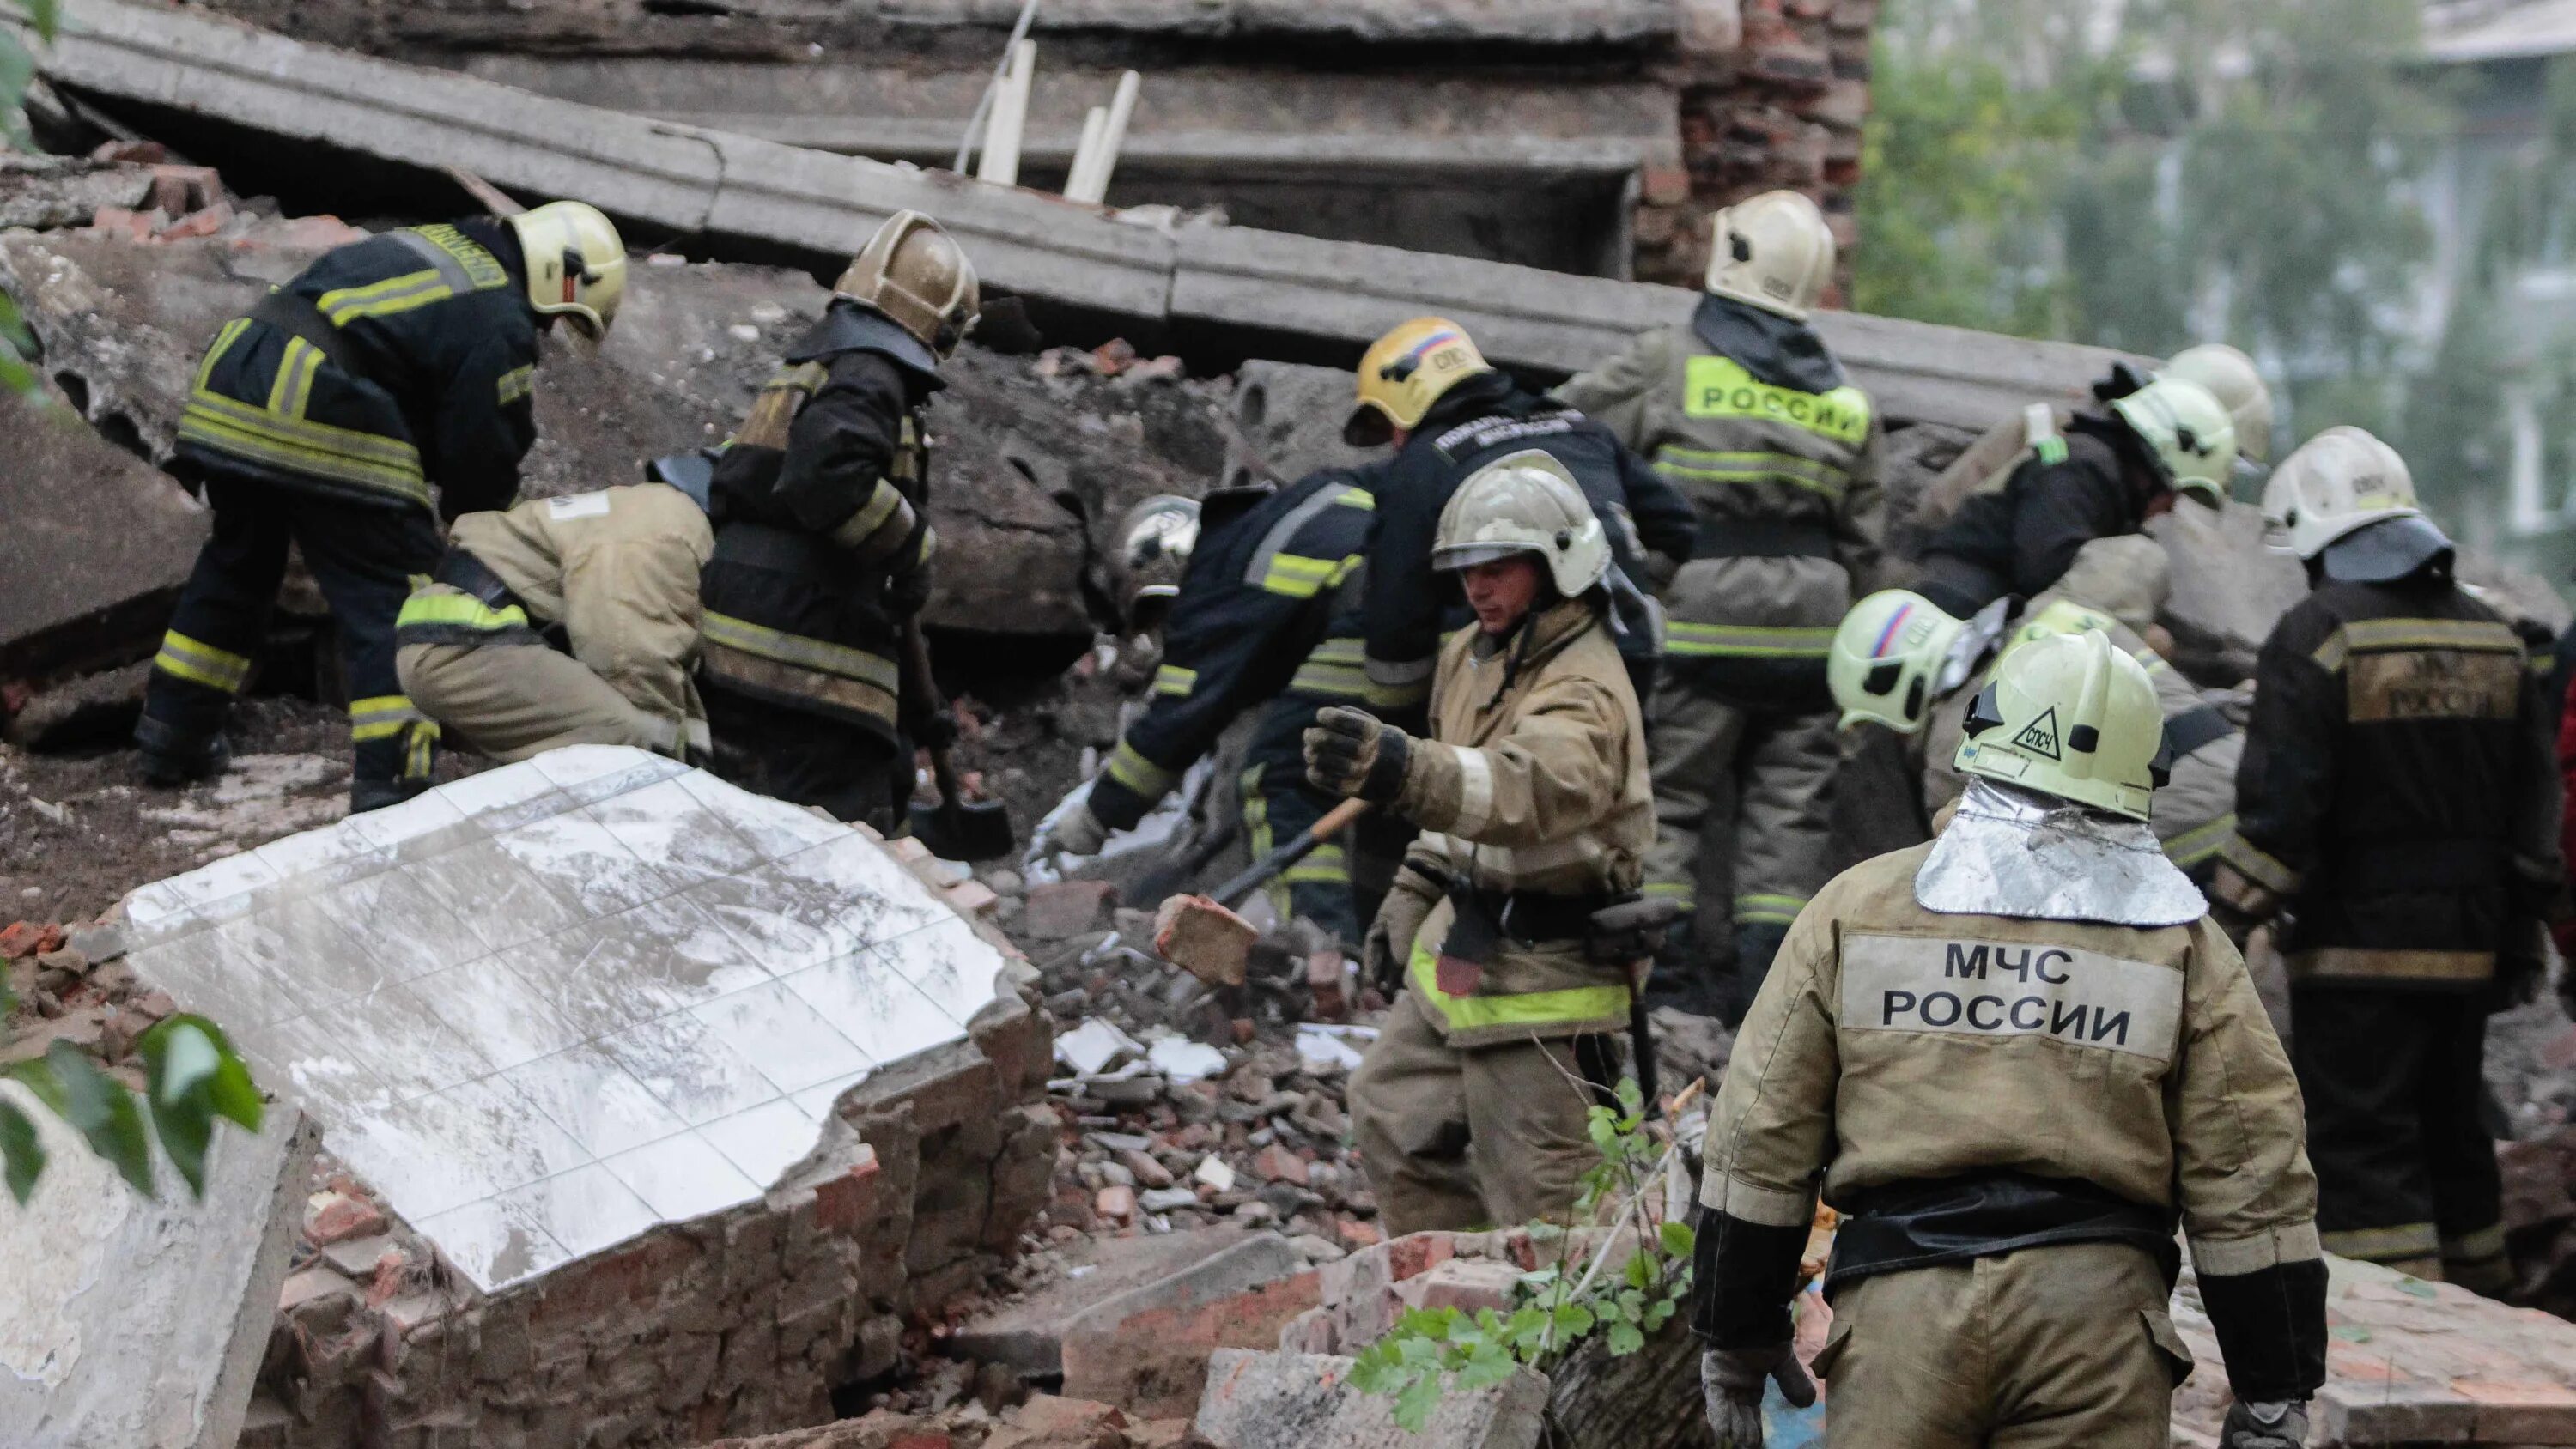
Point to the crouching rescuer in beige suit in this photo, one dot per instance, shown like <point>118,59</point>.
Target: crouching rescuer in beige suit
<point>2016,1058</point>
<point>1536,813</point>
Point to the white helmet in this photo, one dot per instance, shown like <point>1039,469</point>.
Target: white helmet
<point>2230,377</point>
<point>2191,434</point>
<point>1525,503</point>
<point>1893,658</point>
<point>2331,485</point>
<point>576,263</point>
<point>2070,716</point>
<point>1773,251</point>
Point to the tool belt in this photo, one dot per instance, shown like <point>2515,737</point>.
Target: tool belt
<point>460,570</point>
<point>298,317</point>
<point>1761,538</point>
<point>1528,918</point>
<point>1907,1225</point>
<point>2189,731</point>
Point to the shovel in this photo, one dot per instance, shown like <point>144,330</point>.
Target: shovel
<point>953,828</point>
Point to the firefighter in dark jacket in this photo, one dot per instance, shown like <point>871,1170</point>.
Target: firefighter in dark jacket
<point>1749,414</point>
<point>1427,389</point>
<point>1260,621</point>
<point>823,545</point>
<point>2397,809</point>
<point>323,418</point>
<point>2109,473</point>
<point>2016,1059</point>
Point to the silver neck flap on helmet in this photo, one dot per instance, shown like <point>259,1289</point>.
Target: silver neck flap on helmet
<point>2015,852</point>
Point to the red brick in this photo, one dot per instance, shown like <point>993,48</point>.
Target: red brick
<point>1118,1204</point>
<point>340,1217</point>
<point>1418,1253</point>
<point>1057,909</point>
<point>1277,1164</point>
<point>25,938</point>
<point>1357,1235</point>
<point>140,153</point>
<point>848,1201</point>
<point>209,221</point>
<point>180,190</point>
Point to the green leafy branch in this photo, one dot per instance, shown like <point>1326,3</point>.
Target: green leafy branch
<point>1555,1310</point>
<point>192,1077</point>
<point>17,70</point>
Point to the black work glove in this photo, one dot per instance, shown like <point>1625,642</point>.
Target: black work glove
<point>1348,752</point>
<point>1731,1381</point>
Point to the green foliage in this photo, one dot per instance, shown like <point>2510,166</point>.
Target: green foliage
<point>1557,1308</point>
<point>17,345</point>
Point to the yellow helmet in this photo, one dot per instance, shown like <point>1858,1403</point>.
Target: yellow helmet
<point>2230,377</point>
<point>1892,660</point>
<point>2189,432</point>
<point>914,272</point>
<point>2071,716</point>
<point>1773,251</point>
<point>1405,372</point>
<point>576,263</point>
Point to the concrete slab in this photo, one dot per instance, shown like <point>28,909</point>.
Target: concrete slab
<point>1147,1351</point>
<point>700,181</point>
<point>1304,1401</point>
<point>73,594</point>
<point>2408,1362</point>
<point>1027,1333</point>
<point>128,1323</point>
<point>550,1007</point>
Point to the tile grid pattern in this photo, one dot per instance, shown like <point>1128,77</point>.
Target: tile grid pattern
<point>546,1007</point>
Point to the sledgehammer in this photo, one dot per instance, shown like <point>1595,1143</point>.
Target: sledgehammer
<point>1203,936</point>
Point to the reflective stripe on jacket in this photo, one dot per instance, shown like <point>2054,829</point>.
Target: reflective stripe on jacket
<point>437,345</point>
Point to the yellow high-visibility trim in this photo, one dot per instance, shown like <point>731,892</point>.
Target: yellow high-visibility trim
<point>1683,891</point>
<point>2201,842</point>
<point>1324,865</point>
<point>1359,498</point>
<point>459,610</point>
<point>292,389</point>
<point>2353,963</point>
<point>1300,577</point>
<point>2374,636</point>
<point>1174,682</point>
<point>1746,641</point>
<point>381,717</point>
<point>840,660</point>
<point>383,299</point>
<point>2259,867</point>
<point>2374,1245</point>
<point>1336,681</point>
<point>2486,1242</point>
<point>481,268</point>
<point>198,662</point>
<point>420,749</point>
<point>1720,387</point>
<point>885,501</point>
<point>300,445</point>
<point>1523,1009</point>
<point>1769,910</point>
<point>224,339</point>
<point>1130,768</point>
<point>517,383</point>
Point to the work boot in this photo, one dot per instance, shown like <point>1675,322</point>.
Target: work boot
<point>1679,980</point>
<point>170,759</point>
<point>366,795</point>
<point>1756,942</point>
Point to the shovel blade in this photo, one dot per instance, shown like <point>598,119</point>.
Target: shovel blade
<point>980,831</point>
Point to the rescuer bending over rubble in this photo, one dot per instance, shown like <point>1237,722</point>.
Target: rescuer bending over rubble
<point>2018,1057</point>
<point>1536,812</point>
<point>564,621</point>
<point>2398,811</point>
<point>823,556</point>
<point>322,419</point>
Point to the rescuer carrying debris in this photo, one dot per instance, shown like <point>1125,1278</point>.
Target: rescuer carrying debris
<point>823,539</point>
<point>1749,414</point>
<point>1427,389</point>
<point>2397,812</point>
<point>322,419</point>
<point>2017,1056</point>
<point>1897,660</point>
<point>564,621</point>
<point>1261,620</point>
<point>2112,471</point>
<point>1533,798</point>
<point>2229,375</point>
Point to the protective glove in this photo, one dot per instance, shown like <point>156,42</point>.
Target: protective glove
<point>1348,752</point>
<point>2264,1426</point>
<point>1731,1383</point>
<point>1076,832</point>
<point>1389,944</point>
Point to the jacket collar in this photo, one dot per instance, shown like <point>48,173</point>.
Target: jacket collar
<point>1778,350</point>
<point>1543,635</point>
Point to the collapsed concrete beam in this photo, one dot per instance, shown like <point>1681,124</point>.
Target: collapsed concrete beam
<point>1235,279</point>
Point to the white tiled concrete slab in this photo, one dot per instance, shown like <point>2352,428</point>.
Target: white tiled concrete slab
<point>550,1005</point>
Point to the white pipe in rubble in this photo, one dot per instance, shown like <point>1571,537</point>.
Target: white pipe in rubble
<point>1095,123</point>
<point>1094,183</point>
<point>1001,164</point>
<point>984,102</point>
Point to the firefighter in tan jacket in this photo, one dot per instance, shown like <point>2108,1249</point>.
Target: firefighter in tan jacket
<point>1536,811</point>
<point>2017,1059</point>
<point>564,621</point>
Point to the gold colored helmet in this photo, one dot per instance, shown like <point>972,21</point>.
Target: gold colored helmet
<point>576,263</point>
<point>1405,372</point>
<point>914,272</point>
<point>1772,251</point>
